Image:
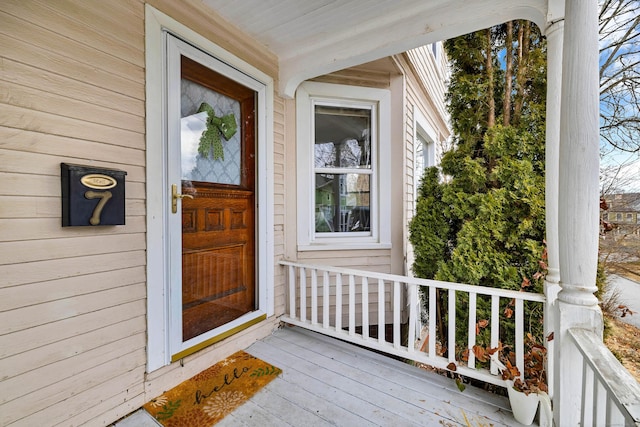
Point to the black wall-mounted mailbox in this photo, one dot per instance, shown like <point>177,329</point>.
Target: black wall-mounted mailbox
<point>91,196</point>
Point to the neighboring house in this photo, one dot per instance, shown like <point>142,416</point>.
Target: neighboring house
<point>315,119</point>
<point>623,211</point>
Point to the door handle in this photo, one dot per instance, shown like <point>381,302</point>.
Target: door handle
<point>175,196</point>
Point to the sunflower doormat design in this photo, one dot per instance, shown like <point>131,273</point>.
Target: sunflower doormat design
<point>205,399</point>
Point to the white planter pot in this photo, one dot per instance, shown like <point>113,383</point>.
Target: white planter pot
<point>523,406</point>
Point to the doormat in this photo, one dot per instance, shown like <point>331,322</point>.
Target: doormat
<point>206,398</point>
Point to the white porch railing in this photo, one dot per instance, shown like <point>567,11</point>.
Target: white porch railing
<point>338,302</point>
<point>610,395</point>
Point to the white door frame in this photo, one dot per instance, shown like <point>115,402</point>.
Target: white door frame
<point>161,241</point>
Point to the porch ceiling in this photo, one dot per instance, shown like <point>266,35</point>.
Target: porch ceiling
<point>315,37</point>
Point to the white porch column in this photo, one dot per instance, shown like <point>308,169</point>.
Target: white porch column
<point>555,34</point>
<point>578,202</point>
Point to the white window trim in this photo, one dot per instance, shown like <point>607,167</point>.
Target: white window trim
<point>158,283</point>
<point>380,237</point>
<point>422,128</point>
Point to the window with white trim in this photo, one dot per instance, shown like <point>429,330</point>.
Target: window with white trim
<point>424,149</point>
<point>343,153</point>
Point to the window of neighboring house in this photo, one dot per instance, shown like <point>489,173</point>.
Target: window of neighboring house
<point>629,217</point>
<point>343,166</point>
<point>618,217</point>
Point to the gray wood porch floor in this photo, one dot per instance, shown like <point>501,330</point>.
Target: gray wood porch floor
<point>326,382</point>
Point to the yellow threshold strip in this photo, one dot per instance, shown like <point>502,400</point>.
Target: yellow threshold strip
<point>217,338</point>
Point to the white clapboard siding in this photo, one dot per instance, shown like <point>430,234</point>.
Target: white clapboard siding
<point>86,111</point>
<point>50,228</point>
<point>39,271</point>
<point>40,250</point>
<point>27,162</point>
<point>24,207</point>
<point>34,380</point>
<point>35,315</point>
<point>37,293</point>
<point>37,121</point>
<point>118,361</point>
<point>28,339</point>
<point>68,87</point>
<point>127,45</point>
<point>40,357</point>
<point>15,297</point>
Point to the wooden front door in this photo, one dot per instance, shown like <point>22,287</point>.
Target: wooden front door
<point>217,199</point>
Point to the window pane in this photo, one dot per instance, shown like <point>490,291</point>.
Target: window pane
<point>196,167</point>
<point>342,203</point>
<point>342,137</point>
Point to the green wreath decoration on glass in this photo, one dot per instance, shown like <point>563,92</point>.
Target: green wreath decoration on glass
<point>216,126</point>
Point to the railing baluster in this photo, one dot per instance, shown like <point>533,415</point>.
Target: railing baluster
<point>432,321</point>
<point>414,306</point>
<point>471,339</point>
<point>495,328</point>
<point>393,294</point>
<point>599,402</point>
<point>396,315</point>
<point>365,307</point>
<point>314,297</point>
<point>451,345</point>
<point>585,392</point>
<point>326,303</point>
<point>338,302</point>
<point>520,336</point>
<point>292,291</point>
<point>381,319</point>
<point>352,305</point>
<point>303,294</point>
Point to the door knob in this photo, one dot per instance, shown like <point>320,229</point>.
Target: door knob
<point>175,196</point>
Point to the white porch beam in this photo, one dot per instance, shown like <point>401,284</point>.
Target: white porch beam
<point>578,202</point>
<point>414,24</point>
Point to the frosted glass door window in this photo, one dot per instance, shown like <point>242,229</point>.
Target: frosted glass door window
<point>196,167</point>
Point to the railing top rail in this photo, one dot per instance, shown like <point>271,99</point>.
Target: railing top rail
<point>482,290</point>
<point>615,378</point>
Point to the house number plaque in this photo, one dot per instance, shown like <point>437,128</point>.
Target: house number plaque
<point>92,196</point>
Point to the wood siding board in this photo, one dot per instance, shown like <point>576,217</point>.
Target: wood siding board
<point>49,60</point>
<point>39,336</point>
<point>47,15</point>
<point>41,357</point>
<point>15,297</point>
<point>120,361</point>
<point>44,38</point>
<point>49,312</point>
<point>40,271</point>
<point>39,164</point>
<point>38,100</point>
<point>33,380</point>
<point>51,228</point>
<point>105,19</point>
<point>129,396</point>
<point>61,85</point>
<point>48,123</point>
<point>28,207</point>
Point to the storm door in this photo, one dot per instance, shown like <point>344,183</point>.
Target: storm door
<point>211,173</point>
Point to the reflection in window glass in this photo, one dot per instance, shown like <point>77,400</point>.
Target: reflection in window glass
<point>342,202</point>
<point>343,169</point>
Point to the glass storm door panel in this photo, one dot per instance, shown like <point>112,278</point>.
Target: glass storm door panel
<point>217,168</point>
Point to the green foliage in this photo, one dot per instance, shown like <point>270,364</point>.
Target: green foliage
<point>484,223</point>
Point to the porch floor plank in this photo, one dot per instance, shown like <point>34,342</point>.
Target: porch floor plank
<point>327,382</point>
